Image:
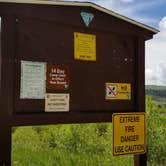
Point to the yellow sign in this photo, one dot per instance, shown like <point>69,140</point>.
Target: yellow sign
<point>84,46</point>
<point>118,91</point>
<point>128,133</point>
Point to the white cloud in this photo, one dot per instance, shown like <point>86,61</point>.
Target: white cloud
<point>151,78</point>
<point>162,26</point>
<point>156,57</point>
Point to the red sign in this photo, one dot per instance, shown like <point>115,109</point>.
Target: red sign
<point>57,77</point>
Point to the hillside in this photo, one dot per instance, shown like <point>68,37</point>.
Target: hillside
<point>158,93</point>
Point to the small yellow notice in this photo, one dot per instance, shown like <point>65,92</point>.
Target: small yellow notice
<point>128,133</point>
<point>118,91</point>
<point>84,46</point>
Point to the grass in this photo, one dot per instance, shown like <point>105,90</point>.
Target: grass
<point>75,145</point>
<point>59,157</point>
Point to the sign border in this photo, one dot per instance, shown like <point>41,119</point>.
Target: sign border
<point>118,84</point>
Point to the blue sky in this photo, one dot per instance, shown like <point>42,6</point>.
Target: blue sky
<point>152,13</point>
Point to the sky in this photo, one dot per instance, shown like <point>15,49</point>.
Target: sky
<point>152,13</point>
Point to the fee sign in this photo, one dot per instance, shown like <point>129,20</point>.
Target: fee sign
<point>57,77</point>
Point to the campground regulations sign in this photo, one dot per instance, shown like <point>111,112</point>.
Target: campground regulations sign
<point>128,133</point>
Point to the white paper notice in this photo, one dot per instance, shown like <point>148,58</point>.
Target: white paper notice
<point>58,102</point>
<point>33,80</point>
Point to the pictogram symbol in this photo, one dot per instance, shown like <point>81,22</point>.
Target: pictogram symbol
<point>111,91</point>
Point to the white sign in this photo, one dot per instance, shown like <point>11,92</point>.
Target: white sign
<point>33,80</point>
<point>57,102</point>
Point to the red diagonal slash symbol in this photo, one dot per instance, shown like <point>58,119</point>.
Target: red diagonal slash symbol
<point>111,91</point>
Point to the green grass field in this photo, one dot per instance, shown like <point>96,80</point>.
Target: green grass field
<point>66,145</point>
<point>66,158</point>
<point>84,144</point>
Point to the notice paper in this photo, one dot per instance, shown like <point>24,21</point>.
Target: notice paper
<point>84,46</point>
<point>57,102</point>
<point>33,80</point>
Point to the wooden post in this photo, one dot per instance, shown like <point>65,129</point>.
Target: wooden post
<point>6,87</point>
<point>140,160</point>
